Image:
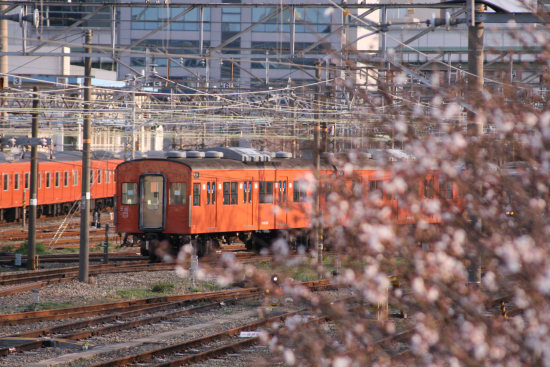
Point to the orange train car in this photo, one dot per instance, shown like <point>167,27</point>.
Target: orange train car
<point>218,196</point>
<point>59,183</point>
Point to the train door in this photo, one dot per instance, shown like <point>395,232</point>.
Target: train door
<point>247,203</point>
<point>211,204</point>
<point>152,202</point>
<point>281,200</point>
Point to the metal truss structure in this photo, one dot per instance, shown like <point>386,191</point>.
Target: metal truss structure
<point>193,115</point>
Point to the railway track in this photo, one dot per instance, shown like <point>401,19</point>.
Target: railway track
<point>98,321</point>
<point>199,349</point>
<point>8,259</point>
<point>40,278</point>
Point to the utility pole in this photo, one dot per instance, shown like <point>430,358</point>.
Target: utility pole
<point>33,202</point>
<point>317,138</point>
<point>86,145</point>
<point>475,66</point>
<point>4,61</point>
<point>474,128</point>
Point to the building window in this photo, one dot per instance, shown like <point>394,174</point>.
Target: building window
<point>196,194</point>
<point>16,181</point>
<point>66,178</point>
<point>152,18</point>
<point>299,192</point>
<point>277,23</point>
<point>266,192</point>
<point>129,193</point>
<point>231,19</point>
<point>312,20</point>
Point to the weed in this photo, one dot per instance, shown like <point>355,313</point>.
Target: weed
<point>162,287</point>
<point>40,248</point>
<point>46,306</point>
<point>133,293</point>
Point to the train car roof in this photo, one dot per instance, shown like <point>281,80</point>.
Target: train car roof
<point>198,164</point>
<point>19,157</point>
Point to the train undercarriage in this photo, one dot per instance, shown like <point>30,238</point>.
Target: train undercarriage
<point>157,245</point>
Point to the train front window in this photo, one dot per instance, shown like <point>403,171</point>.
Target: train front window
<point>153,192</point>
<point>178,193</point>
<point>129,193</point>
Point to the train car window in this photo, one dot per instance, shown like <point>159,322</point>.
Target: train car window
<point>428,188</point>
<point>107,176</point>
<point>356,187</point>
<point>66,178</point>
<point>27,180</point>
<point>230,193</point>
<point>249,192</point>
<point>266,192</point>
<point>213,194</point>
<point>39,180</point>
<point>6,182</point>
<point>75,178</point>
<point>234,193</point>
<point>372,185</point>
<point>16,181</point>
<point>196,194</point>
<point>299,193</point>
<point>178,192</point>
<point>446,189</point>
<point>57,179</point>
<point>91,177</point>
<point>282,191</point>
<point>226,193</point>
<point>129,193</point>
<point>245,192</point>
<point>99,177</point>
<point>48,179</point>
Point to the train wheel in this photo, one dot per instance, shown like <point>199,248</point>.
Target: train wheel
<point>253,243</point>
<point>143,250</point>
